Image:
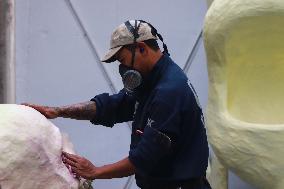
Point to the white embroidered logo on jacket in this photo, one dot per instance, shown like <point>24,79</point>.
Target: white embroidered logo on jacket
<point>149,122</point>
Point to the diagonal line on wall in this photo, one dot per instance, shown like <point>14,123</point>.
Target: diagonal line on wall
<point>193,52</point>
<point>129,182</point>
<point>91,45</point>
<point>102,68</point>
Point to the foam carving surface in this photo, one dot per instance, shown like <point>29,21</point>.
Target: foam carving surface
<point>244,44</point>
<point>31,149</point>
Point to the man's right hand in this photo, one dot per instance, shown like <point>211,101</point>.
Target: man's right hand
<point>48,112</point>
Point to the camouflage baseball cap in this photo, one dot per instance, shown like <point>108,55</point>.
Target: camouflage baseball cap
<point>122,36</point>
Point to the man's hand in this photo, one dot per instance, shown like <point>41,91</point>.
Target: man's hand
<point>79,165</point>
<point>82,167</point>
<point>48,112</point>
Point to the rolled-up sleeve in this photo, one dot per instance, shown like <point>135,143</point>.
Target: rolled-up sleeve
<point>111,109</point>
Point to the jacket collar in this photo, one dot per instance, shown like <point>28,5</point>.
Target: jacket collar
<point>151,80</point>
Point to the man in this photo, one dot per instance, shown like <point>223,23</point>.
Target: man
<point>169,147</point>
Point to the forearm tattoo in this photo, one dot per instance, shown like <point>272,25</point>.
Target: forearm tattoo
<point>80,111</point>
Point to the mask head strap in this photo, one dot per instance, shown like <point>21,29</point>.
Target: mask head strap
<point>155,33</point>
<point>134,30</point>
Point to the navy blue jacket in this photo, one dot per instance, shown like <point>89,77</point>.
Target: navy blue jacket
<point>168,103</point>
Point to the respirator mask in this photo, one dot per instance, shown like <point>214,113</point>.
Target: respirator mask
<point>131,78</point>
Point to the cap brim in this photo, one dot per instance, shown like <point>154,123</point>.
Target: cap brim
<point>109,57</point>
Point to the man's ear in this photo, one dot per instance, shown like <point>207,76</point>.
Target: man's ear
<point>143,48</point>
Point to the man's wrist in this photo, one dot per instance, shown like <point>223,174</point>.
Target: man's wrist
<point>97,172</point>
<point>119,169</point>
<point>80,111</point>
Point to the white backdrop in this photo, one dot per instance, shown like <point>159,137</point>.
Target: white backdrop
<point>59,43</point>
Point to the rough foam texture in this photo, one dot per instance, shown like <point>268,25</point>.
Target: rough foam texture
<point>244,44</point>
<point>31,147</point>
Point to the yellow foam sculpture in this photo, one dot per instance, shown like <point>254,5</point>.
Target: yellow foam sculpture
<point>244,41</point>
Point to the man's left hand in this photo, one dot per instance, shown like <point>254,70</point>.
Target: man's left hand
<point>79,165</point>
